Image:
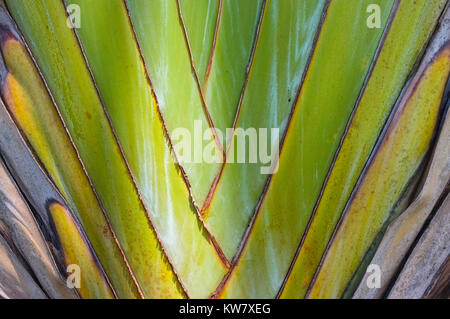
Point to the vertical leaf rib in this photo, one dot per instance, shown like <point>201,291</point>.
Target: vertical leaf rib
<point>397,54</point>
<point>58,55</point>
<point>311,140</point>
<point>217,139</point>
<point>280,58</point>
<point>167,57</point>
<point>393,163</point>
<point>168,138</point>
<point>404,229</point>
<point>201,19</point>
<point>214,44</point>
<point>237,35</point>
<point>31,106</point>
<point>32,233</point>
<point>228,78</point>
<point>125,88</point>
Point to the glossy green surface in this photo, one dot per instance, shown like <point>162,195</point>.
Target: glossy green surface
<point>395,161</point>
<point>329,93</point>
<point>235,39</point>
<point>147,72</point>
<point>166,54</point>
<point>400,51</point>
<point>31,107</point>
<point>56,50</point>
<point>121,79</point>
<point>280,59</point>
<point>200,19</point>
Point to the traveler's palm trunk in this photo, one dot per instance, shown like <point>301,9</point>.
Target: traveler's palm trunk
<point>122,127</point>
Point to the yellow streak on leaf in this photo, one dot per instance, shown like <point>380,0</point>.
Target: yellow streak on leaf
<point>404,145</point>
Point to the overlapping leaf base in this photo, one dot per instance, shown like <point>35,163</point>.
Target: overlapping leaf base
<point>88,114</point>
